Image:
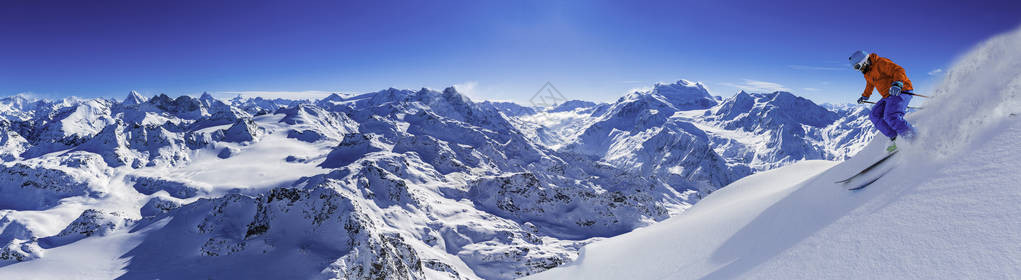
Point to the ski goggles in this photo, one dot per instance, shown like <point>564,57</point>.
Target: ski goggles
<point>860,66</point>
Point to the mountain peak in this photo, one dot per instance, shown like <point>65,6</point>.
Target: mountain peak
<point>334,97</point>
<point>207,98</point>
<point>450,90</point>
<point>451,93</point>
<point>685,95</point>
<point>688,83</point>
<point>133,99</point>
<point>22,97</point>
<point>682,83</point>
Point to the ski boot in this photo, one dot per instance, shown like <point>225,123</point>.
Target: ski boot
<point>893,145</point>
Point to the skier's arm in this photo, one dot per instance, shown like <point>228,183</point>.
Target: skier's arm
<point>898,73</point>
<point>868,89</point>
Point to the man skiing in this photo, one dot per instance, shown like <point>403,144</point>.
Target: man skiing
<point>889,78</point>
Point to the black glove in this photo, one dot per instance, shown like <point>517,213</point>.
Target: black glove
<point>895,88</point>
<point>862,99</point>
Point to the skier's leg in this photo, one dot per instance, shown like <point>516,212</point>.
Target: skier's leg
<point>876,116</point>
<point>894,112</point>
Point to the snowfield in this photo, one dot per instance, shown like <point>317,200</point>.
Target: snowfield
<point>946,207</point>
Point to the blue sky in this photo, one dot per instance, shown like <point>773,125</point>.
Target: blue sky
<point>592,50</point>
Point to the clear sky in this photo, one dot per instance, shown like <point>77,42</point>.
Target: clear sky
<point>497,50</point>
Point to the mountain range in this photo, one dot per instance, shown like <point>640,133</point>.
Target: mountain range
<point>394,184</point>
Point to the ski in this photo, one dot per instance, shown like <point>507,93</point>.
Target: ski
<point>866,184</point>
<point>869,168</point>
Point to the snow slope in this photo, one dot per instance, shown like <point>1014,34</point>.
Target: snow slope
<point>946,209</point>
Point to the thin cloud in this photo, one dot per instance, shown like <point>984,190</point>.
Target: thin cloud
<point>757,86</point>
<point>35,96</point>
<point>810,89</point>
<point>307,94</point>
<point>938,71</point>
<point>467,88</point>
<point>816,68</point>
<point>640,89</point>
<point>28,95</point>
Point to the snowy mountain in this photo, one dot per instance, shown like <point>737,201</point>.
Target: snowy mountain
<point>943,207</point>
<point>680,133</point>
<point>405,184</point>
<point>782,128</point>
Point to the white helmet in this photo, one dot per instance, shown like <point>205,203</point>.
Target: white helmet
<point>859,60</point>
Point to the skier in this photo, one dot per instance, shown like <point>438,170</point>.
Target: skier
<point>889,78</point>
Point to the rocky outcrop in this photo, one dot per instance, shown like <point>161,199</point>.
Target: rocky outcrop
<point>149,186</point>
<point>326,231</point>
<point>34,187</point>
<point>157,206</point>
<point>91,222</point>
<point>353,147</point>
<point>243,130</point>
<point>17,242</point>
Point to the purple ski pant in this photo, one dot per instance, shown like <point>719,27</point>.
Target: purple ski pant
<point>888,115</point>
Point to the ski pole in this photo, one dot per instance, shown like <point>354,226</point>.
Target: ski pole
<point>909,107</point>
<point>915,94</point>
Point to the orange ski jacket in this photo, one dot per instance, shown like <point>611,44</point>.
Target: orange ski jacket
<point>881,74</point>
